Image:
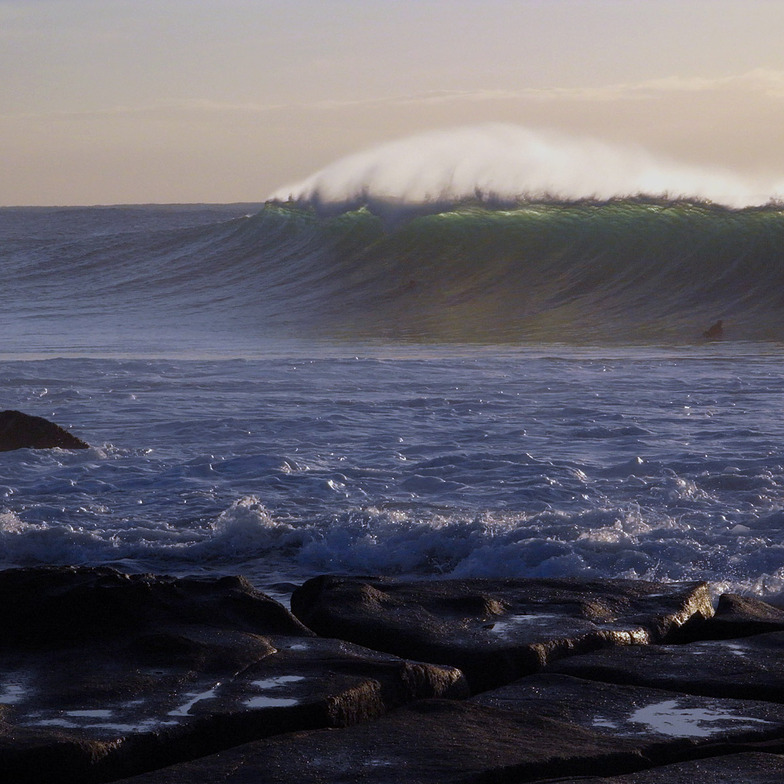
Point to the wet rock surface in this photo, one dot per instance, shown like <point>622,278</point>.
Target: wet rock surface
<point>741,616</point>
<point>104,674</point>
<point>660,725</point>
<point>23,431</point>
<point>496,630</point>
<point>743,668</point>
<point>748,768</point>
<point>429,742</point>
<point>537,729</point>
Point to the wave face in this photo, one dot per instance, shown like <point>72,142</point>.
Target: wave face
<point>628,271</point>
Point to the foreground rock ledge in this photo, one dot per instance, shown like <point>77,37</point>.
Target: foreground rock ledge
<point>437,741</point>
<point>746,668</point>
<point>662,726</point>
<point>741,616</point>
<point>104,674</point>
<point>748,768</point>
<point>21,431</point>
<point>497,630</point>
<point>541,728</point>
<point>427,743</point>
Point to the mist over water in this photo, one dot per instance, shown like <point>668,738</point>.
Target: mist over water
<point>507,162</point>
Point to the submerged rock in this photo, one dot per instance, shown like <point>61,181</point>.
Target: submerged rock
<point>20,431</point>
<point>496,630</point>
<point>104,674</point>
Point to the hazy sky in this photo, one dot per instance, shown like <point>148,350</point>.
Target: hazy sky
<point>125,101</point>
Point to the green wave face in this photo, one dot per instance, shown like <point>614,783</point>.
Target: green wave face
<point>622,271</point>
<point>628,271</point>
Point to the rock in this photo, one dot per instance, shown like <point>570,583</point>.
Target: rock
<point>20,431</point>
<point>104,674</point>
<point>748,768</point>
<point>72,604</point>
<point>496,630</point>
<point>742,616</point>
<point>540,728</point>
<point>663,726</point>
<point>431,742</point>
<point>746,668</point>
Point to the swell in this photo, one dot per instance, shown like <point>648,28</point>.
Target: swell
<point>625,270</point>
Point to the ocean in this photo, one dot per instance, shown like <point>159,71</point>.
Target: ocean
<point>471,389</point>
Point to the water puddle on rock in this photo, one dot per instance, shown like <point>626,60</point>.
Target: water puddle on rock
<point>185,708</point>
<point>666,718</point>
<point>504,626</point>
<point>265,701</point>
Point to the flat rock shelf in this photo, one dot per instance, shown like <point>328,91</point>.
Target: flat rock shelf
<point>149,679</point>
<point>497,630</point>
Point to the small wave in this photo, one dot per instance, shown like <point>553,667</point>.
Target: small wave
<point>610,541</point>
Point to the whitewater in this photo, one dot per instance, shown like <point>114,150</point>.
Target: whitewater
<point>450,378</point>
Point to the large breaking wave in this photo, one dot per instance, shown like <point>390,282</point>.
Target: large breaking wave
<point>630,270</point>
<point>495,233</point>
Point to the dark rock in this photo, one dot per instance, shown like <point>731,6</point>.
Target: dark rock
<point>748,768</point>
<point>540,728</point>
<point>741,616</point>
<point>714,331</point>
<point>104,674</point>
<point>745,668</point>
<point>431,742</point>
<point>72,604</point>
<point>664,726</point>
<point>20,431</point>
<point>496,630</point>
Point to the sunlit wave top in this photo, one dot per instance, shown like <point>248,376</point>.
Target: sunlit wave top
<point>510,162</point>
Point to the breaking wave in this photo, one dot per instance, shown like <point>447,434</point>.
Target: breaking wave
<point>589,272</point>
<point>508,162</point>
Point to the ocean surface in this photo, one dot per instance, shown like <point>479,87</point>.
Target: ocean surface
<point>473,390</point>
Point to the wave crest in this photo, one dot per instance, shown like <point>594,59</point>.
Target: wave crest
<point>508,162</point>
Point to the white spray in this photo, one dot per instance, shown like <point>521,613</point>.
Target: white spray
<point>508,162</point>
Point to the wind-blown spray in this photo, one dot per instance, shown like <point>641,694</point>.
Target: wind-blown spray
<point>509,162</point>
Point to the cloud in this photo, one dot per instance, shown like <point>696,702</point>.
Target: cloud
<point>763,81</point>
<point>186,108</point>
<point>768,83</point>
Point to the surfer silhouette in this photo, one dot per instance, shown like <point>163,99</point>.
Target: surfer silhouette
<point>715,331</point>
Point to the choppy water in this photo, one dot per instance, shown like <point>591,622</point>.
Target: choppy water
<point>227,438</point>
<point>659,463</point>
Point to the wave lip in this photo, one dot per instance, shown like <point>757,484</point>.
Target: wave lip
<point>504,162</point>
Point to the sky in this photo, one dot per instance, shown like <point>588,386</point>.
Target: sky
<point>181,101</point>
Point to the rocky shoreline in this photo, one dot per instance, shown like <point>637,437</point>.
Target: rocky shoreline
<point>149,679</point>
